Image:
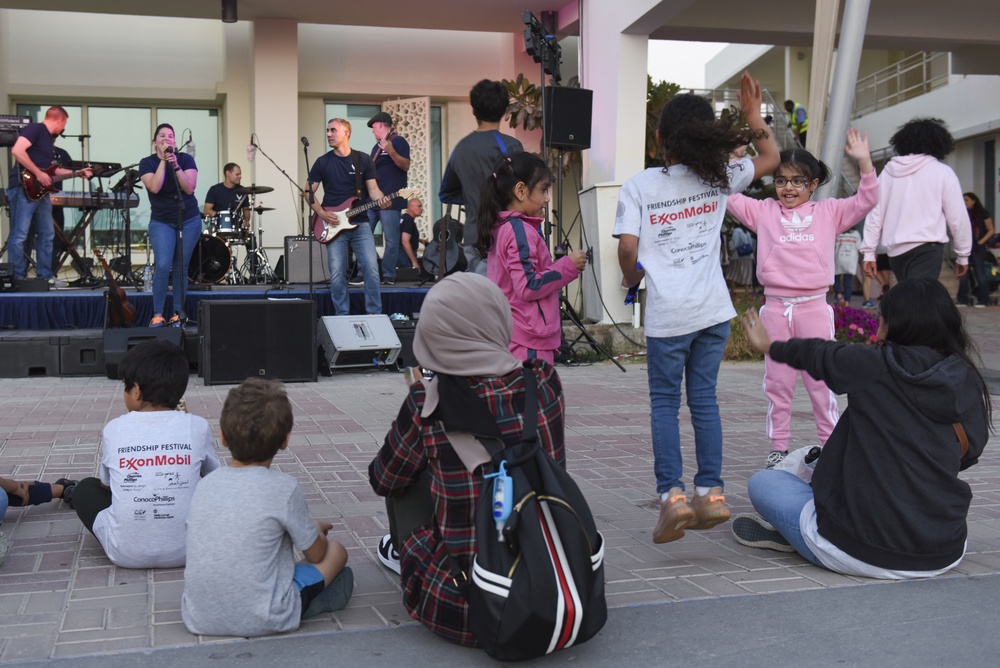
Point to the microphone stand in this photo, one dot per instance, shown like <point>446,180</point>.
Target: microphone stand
<point>312,200</point>
<point>180,276</point>
<point>283,172</point>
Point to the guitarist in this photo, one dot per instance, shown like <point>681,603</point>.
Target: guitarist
<point>391,155</point>
<point>346,174</point>
<point>34,153</point>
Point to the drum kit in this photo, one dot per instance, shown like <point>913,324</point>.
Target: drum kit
<point>214,259</point>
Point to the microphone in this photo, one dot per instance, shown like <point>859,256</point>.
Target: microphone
<point>251,150</point>
<point>170,149</point>
<point>305,141</point>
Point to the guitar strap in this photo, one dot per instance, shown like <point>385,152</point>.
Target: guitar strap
<point>358,179</point>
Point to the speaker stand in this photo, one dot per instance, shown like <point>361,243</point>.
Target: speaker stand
<point>567,312</point>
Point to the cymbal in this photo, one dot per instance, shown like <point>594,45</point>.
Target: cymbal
<point>262,209</point>
<point>253,190</point>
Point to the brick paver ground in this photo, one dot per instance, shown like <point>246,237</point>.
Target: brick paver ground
<point>60,596</point>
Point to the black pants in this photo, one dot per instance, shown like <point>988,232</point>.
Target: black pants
<point>90,497</point>
<point>924,261</point>
<point>410,510</point>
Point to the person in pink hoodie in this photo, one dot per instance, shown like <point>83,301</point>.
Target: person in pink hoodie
<point>517,258</point>
<point>920,203</point>
<point>795,260</point>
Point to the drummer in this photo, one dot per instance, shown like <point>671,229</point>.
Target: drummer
<point>223,196</point>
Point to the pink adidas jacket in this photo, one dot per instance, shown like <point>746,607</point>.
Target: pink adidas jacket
<point>920,201</point>
<point>795,247</point>
<point>519,262</point>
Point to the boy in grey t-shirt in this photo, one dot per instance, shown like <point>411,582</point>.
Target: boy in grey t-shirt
<point>241,578</point>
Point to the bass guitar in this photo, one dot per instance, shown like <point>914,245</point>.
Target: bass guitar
<point>326,232</point>
<point>36,191</point>
<point>120,312</point>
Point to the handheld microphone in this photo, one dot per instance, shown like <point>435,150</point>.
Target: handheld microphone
<point>251,150</point>
<point>170,149</point>
<point>305,141</point>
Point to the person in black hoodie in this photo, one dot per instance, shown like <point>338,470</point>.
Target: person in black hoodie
<point>886,500</point>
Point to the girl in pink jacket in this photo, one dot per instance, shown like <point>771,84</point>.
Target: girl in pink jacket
<point>517,258</point>
<point>795,252</point>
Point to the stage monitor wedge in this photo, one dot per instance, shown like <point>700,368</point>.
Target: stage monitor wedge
<point>358,340</point>
<point>568,114</point>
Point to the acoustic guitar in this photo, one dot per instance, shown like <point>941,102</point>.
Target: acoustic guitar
<point>325,232</point>
<point>121,313</point>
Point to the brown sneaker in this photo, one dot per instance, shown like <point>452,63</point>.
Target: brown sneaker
<point>675,515</point>
<point>709,509</point>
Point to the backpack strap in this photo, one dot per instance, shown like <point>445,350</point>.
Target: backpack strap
<point>498,137</point>
<point>962,438</point>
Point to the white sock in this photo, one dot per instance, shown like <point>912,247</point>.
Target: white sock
<point>702,491</point>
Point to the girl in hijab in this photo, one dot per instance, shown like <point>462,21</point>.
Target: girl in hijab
<point>463,337</point>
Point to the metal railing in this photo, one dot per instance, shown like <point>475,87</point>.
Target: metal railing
<point>908,78</point>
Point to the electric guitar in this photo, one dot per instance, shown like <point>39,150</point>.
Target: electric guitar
<point>325,232</point>
<point>36,191</point>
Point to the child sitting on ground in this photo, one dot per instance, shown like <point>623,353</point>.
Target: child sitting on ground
<point>30,494</point>
<point>151,460</point>
<point>241,577</point>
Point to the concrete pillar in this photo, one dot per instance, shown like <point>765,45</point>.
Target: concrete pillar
<point>274,116</point>
<point>613,65</point>
<point>824,34</point>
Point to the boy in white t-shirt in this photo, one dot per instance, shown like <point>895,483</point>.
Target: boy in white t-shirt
<point>151,460</point>
<point>241,577</point>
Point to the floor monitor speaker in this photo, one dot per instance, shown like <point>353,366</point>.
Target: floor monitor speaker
<point>257,338</point>
<point>358,340</point>
<point>568,117</point>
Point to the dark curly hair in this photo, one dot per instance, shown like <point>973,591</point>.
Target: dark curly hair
<point>928,136</point>
<point>805,163</point>
<point>691,135</point>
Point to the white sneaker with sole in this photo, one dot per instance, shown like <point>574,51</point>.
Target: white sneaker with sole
<point>388,555</point>
<point>751,530</point>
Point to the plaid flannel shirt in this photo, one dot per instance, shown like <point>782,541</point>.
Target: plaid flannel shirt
<point>412,445</point>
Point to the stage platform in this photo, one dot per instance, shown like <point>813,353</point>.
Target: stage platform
<point>60,332</point>
<point>75,308</point>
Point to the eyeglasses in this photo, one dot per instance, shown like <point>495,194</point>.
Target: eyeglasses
<point>796,181</point>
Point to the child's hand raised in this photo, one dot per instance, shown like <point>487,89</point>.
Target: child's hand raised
<point>857,148</point>
<point>750,96</point>
<point>756,334</point>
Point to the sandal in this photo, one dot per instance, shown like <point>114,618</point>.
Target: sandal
<point>157,321</point>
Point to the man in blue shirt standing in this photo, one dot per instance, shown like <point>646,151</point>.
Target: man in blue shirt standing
<point>391,155</point>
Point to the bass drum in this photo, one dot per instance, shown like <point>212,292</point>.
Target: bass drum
<point>210,261</point>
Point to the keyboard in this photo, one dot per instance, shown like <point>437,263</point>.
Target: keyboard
<point>85,200</point>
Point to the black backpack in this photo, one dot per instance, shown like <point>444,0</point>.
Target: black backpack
<point>541,588</point>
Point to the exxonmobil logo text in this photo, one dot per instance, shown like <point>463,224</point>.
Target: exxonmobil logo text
<point>689,212</point>
<point>135,463</point>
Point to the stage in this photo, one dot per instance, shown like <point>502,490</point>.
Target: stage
<point>61,332</point>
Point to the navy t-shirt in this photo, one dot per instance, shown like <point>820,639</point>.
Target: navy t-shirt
<point>408,226</point>
<point>40,151</point>
<point>338,178</point>
<point>163,206</point>
<point>221,198</point>
<point>390,177</point>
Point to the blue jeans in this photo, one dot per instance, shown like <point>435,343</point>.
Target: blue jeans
<point>362,242</point>
<point>390,238</point>
<point>695,357</point>
<point>24,213</point>
<point>163,239</point>
<point>779,497</point>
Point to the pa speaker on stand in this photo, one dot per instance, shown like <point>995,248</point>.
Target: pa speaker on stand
<point>567,113</point>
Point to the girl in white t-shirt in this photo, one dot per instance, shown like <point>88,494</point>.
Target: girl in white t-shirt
<point>669,220</point>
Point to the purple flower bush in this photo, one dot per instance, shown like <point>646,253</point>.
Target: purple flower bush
<point>855,325</point>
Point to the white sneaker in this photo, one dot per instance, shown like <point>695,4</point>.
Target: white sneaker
<point>56,283</point>
<point>388,555</point>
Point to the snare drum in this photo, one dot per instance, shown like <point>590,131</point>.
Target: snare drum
<point>210,261</point>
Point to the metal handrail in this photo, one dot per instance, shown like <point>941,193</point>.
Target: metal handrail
<point>910,77</point>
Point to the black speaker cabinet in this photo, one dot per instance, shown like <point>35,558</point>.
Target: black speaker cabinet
<point>259,338</point>
<point>297,260</point>
<point>567,117</point>
<point>118,341</point>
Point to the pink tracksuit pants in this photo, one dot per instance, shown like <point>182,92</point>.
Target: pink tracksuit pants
<point>785,319</point>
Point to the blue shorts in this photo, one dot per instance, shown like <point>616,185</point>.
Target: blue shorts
<point>310,583</point>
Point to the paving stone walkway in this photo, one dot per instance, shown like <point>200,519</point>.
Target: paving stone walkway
<point>61,597</point>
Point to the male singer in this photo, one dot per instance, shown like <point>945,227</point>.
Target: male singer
<point>391,155</point>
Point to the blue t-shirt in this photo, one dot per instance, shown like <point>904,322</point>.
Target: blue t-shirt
<point>221,198</point>
<point>163,206</point>
<point>40,151</point>
<point>338,178</point>
<point>390,177</point>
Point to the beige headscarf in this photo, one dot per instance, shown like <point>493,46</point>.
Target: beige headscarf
<point>464,330</point>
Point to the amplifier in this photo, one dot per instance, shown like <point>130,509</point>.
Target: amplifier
<point>358,340</point>
<point>297,260</point>
<point>6,276</point>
